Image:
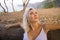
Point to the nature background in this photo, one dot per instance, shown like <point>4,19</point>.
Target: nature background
<point>18,4</point>
<point>11,12</point>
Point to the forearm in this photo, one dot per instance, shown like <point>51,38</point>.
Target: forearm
<point>53,26</point>
<point>56,26</point>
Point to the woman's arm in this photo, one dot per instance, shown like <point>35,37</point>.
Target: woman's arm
<point>52,26</point>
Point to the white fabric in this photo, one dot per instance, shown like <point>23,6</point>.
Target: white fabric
<point>41,36</point>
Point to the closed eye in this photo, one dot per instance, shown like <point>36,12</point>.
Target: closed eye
<point>31,13</point>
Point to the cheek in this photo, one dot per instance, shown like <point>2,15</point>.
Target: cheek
<point>37,16</point>
<point>31,17</point>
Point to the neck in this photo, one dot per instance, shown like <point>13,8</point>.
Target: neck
<point>34,25</point>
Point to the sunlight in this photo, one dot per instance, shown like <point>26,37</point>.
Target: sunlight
<point>34,1</point>
<point>20,1</point>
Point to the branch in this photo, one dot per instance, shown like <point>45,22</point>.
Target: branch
<point>25,5</point>
<point>3,8</point>
<point>6,5</point>
<point>13,6</point>
<point>13,25</point>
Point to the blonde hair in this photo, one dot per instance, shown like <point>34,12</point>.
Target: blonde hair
<point>25,20</point>
<point>26,23</point>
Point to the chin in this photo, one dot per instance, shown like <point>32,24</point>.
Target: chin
<point>35,20</point>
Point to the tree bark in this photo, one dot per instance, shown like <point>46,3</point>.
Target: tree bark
<point>25,5</point>
<point>3,8</point>
<point>6,5</point>
<point>13,6</point>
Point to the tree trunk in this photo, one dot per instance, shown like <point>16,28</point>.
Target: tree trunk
<point>25,5</point>
<point>6,5</point>
<point>13,6</point>
<point>3,8</point>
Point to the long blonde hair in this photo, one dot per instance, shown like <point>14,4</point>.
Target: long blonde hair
<point>26,23</point>
<point>25,20</point>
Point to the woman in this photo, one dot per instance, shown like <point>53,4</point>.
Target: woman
<point>33,28</point>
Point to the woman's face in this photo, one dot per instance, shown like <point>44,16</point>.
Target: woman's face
<point>33,15</point>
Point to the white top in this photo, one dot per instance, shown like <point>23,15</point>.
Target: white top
<point>41,36</point>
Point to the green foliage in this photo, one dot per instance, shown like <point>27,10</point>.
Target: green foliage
<point>49,5</point>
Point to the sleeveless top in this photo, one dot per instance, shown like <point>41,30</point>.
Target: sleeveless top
<point>41,36</point>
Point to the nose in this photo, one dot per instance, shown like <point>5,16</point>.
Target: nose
<point>35,14</point>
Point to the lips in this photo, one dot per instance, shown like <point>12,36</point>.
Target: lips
<point>36,17</point>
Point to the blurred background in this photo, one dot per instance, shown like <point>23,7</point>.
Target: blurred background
<point>11,12</point>
<point>18,4</point>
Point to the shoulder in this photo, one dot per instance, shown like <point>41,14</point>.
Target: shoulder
<point>46,28</point>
